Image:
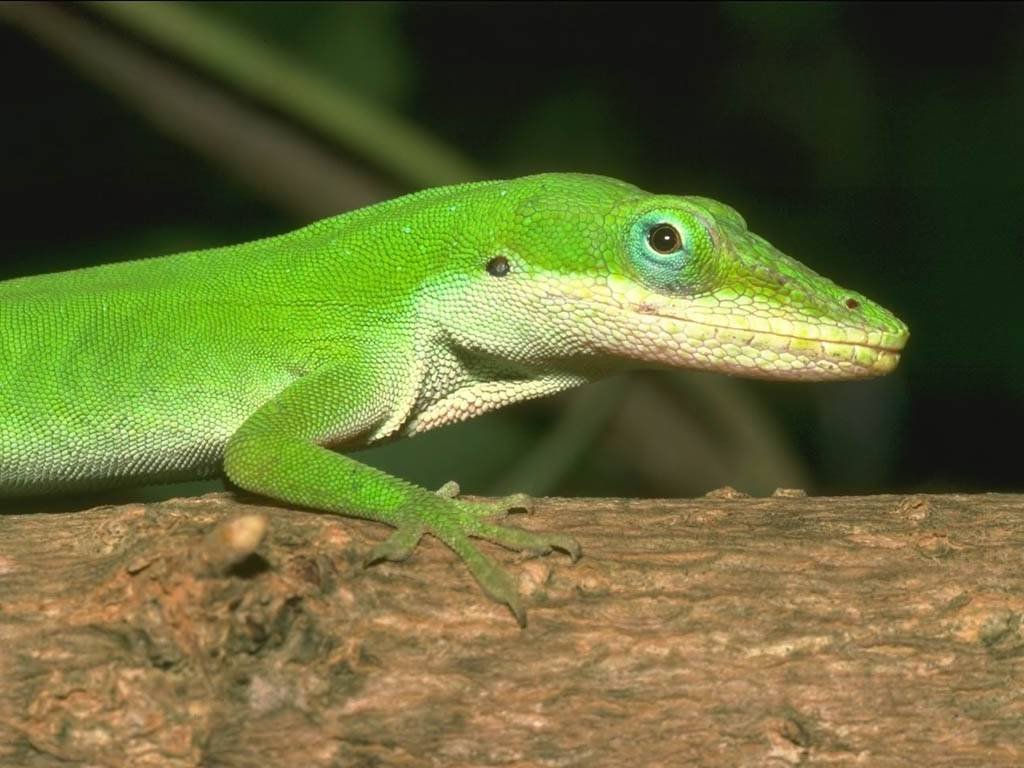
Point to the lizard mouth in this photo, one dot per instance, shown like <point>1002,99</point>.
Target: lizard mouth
<point>631,327</point>
<point>807,352</point>
<point>891,342</point>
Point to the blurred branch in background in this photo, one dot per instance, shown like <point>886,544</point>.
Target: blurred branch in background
<point>276,160</point>
<point>396,147</point>
<point>701,431</point>
<point>580,424</point>
<point>314,148</point>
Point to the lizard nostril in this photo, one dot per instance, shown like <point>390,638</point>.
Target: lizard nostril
<point>852,304</point>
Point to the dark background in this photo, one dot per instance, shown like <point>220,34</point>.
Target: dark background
<point>878,143</point>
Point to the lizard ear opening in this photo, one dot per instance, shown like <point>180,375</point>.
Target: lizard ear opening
<point>498,266</point>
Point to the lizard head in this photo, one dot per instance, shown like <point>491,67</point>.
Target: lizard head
<point>605,271</point>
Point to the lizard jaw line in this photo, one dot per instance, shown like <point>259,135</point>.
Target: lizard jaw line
<point>891,349</point>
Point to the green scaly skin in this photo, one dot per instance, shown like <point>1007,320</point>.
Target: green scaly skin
<point>263,360</point>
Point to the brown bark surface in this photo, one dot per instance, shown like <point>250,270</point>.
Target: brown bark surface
<point>724,631</point>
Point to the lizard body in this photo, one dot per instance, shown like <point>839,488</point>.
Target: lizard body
<point>268,360</point>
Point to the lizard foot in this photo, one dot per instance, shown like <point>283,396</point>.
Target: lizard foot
<point>493,579</point>
<point>455,522</point>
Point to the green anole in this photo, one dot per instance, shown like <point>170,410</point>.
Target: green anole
<point>266,360</point>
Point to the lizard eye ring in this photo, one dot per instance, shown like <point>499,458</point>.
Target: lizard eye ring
<point>670,249</point>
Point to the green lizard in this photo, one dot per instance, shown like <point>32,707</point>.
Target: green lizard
<point>259,359</point>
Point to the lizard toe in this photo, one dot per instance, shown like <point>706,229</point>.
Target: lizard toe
<point>449,490</point>
<point>497,584</point>
<point>528,542</point>
<point>396,547</point>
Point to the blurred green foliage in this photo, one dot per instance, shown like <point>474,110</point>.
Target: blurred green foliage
<point>879,143</point>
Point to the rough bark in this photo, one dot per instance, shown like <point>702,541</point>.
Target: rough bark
<point>722,631</point>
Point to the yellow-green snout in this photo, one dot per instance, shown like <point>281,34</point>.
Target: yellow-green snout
<point>745,336</point>
<point>757,312</point>
<point>758,344</point>
<point>749,335</point>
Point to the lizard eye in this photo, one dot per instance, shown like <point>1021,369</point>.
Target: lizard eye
<point>670,249</point>
<point>664,239</point>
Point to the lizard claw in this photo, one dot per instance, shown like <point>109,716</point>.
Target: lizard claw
<point>568,545</point>
<point>521,501</point>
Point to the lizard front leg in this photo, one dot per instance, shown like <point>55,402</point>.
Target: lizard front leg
<point>279,451</point>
